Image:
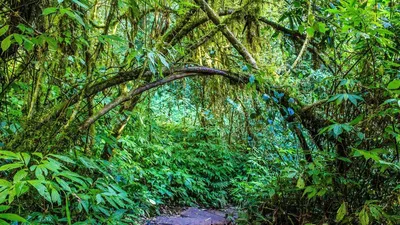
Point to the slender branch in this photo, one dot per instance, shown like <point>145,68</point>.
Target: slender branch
<point>297,37</point>
<point>196,23</point>
<point>171,33</point>
<point>313,105</point>
<point>302,51</point>
<point>202,41</point>
<point>281,28</point>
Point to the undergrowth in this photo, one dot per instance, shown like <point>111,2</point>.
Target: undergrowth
<point>189,166</point>
<point>177,170</point>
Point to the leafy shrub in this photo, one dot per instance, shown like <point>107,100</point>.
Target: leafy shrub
<point>54,189</point>
<point>181,169</point>
<point>287,192</point>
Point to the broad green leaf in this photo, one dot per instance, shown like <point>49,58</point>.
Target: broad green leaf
<point>111,201</point>
<point>53,165</point>
<point>79,19</point>
<point>24,157</point>
<point>72,15</point>
<point>4,183</point>
<point>163,61</point>
<point>342,211</point>
<point>88,163</point>
<point>63,184</point>
<point>357,120</point>
<point>52,42</point>
<point>338,98</point>
<point>112,38</point>
<point>353,98</point>
<point>119,202</point>
<point>374,212</point>
<point>367,155</point>
<point>395,84</point>
<point>104,211</point>
<point>344,159</point>
<point>3,195</point>
<point>312,193</point>
<point>11,166</point>
<point>11,194</point>
<point>4,29</point>
<point>301,28</point>
<point>310,31</point>
<point>22,27</point>
<point>300,183</point>
<point>8,155</point>
<point>99,199</point>
<point>322,192</point>
<point>21,188</point>
<point>6,43</point>
<point>48,11</point>
<point>20,175</point>
<point>41,189</point>
<point>39,173</point>
<point>63,11</point>
<point>12,217</point>
<point>4,208</point>
<point>38,154</point>
<point>73,177</point>
<point>150,56</point>
<point>308,189</point>
<point>28,44</point>
<point>63,158</point>
<point>80,4</point>
<point>337,130</point>
<point>118,214</point>
<point>322,27</point>
<point>55,196</point>
<point>85,205</point>
<point>363,217</point>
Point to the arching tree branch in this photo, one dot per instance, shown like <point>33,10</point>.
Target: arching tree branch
<point>193,71</point>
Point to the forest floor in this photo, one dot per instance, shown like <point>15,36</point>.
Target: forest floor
<point>197,216</point>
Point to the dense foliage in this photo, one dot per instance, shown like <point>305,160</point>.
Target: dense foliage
<point>112,111</point>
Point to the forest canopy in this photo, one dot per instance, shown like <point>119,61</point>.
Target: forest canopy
<point>115,111</point>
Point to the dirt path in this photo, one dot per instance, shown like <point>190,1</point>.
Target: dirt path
<point>196,216</point>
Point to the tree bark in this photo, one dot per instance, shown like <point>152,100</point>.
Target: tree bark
<point>108,151</point>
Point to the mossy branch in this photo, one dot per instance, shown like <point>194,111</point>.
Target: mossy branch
<point>227,33</point>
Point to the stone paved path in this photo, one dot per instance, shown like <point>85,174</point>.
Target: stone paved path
<point>195,216</point>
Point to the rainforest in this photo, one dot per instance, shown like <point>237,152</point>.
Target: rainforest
<point>200,112</point>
